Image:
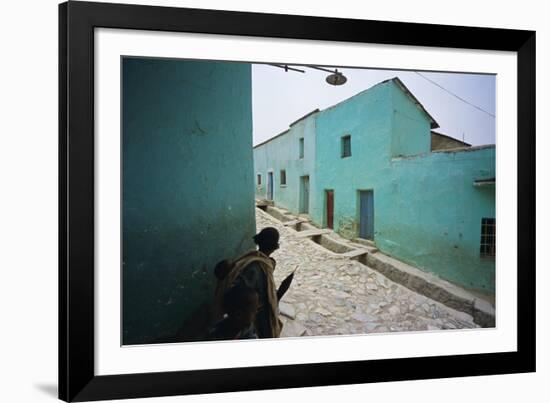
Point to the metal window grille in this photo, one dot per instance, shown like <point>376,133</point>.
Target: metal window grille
<point>302,147</point>
<point>487,246</point>
<point>346,146</point>
<point>283,177</point>
<point>259,179</point>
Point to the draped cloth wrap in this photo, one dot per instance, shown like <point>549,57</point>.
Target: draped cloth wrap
<point>267,265</point>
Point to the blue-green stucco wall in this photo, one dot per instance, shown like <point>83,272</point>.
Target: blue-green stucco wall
<point>187,186</point>
<point>433,218</point>
<point>409,125</point>
<point>283,153</point>
<point>366,118</point>
<point>427,211</point>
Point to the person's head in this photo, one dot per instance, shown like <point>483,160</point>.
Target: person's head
<point>267,240</point>
<point>241,304</point>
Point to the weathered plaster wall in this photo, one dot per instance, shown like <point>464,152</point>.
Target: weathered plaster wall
<point>367,118</point>
<point>410,126</point>
<point>187,186</point>
<point>429,214</point>
<point>283,153</point>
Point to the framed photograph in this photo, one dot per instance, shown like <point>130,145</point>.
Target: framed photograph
<point>256,201</point>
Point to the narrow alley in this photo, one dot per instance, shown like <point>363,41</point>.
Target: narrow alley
<point>334,295</point>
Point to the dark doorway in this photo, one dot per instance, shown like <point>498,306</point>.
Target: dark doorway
<point>270,186</point>
<point>329,197</point>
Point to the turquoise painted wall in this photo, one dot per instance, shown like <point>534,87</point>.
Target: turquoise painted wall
<point>367,119</point>
<point>187,193</point>
<point>283,153</point>
<point>427,211</point>
<point>429,214</point>
<point>409,125</point>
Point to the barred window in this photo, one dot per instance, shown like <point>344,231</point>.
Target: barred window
<point>488,238</point>
<point>301,147</point>
<point>259,179</point>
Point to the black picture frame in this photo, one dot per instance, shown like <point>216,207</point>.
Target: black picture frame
<point>77,380</point>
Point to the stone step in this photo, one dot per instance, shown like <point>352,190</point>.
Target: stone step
<point>364,242</point>
<point>368,248</point>
<point>293,222</point>
<point>355,253</point>
<point>313,232</point>
<point>264,202</point>
<point>279,213</point>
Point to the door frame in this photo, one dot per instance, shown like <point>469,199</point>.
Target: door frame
<point>359,191</point>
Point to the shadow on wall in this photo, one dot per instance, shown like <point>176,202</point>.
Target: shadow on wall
<point>187,199</point>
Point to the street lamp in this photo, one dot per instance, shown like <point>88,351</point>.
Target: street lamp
<point>335,78</point>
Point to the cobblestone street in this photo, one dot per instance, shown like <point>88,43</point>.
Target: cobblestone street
<point>334,295</point>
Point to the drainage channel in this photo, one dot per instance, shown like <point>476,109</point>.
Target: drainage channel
<point>330,244</point>
<point>300,225</point>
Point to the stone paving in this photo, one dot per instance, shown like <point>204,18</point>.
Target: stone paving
<point>334,295</point>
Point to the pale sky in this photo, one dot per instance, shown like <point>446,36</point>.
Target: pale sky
<point>279,98</point>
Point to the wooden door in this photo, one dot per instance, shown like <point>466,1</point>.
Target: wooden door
<point>330,208</point>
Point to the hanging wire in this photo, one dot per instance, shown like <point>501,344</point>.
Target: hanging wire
<point>454,95</point>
